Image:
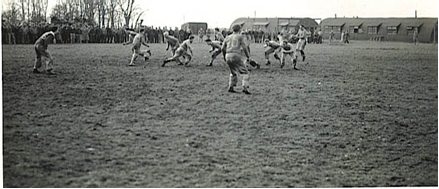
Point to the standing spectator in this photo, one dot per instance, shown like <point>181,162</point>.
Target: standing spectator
<point>342,37</point>
<point>200,35</point>
<point>331,36</point>
<point>416,36</point>
<point>103,36</point>
<point>33,32</point>
<point>346,36</point>
<point>85,31</point>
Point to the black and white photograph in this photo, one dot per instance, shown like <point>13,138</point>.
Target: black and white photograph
<point>219,94</point>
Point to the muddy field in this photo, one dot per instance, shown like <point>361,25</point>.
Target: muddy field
<point>363,114</point>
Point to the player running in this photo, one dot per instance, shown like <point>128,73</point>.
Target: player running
<point>232,46</point>
<point>272,47</point>
<point>182,51</point>
<point>41,50</point>
<point>216,49</point>
<point>138,40</point>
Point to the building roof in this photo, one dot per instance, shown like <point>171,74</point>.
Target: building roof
<point>261,23</point>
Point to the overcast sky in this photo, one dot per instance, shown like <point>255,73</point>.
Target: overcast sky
<point>221,13</point>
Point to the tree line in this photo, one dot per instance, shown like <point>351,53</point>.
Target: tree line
<point>99,13</point>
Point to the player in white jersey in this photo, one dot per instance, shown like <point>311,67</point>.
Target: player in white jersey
<point>138,40</point>
<point>287,49</point>
<point>182,51</point>
<point>216,49</point>
<point>41,50</point>
<point>171,42</point>
<point>300,47</point>
<point>232,47</point>
<point>271,47</point>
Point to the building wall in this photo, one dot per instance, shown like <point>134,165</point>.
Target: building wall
<point>275,24</point>
<point>388,29</point>
<point>195,26</point>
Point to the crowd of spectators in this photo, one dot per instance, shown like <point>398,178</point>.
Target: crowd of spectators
<point>25,33</point>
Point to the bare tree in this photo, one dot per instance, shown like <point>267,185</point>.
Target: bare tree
<point>127,11</point>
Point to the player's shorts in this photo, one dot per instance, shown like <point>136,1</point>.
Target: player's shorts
<point>236,63</point>
<point>40,50</point>
<point>301,44</point>
<point>136,48</point>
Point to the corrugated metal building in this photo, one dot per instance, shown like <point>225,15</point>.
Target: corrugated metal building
<point>275,24</point>
<point>387,29</point>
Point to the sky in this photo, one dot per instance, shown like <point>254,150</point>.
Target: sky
<point>221,13</point>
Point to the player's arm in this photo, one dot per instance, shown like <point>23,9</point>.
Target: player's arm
<point>291,49</point>
<point>223,49</point>
<point>244,47</point>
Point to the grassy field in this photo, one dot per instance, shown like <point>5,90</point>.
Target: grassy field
<point>362,114</point>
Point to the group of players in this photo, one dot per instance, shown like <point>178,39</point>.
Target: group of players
<point>235,49</point>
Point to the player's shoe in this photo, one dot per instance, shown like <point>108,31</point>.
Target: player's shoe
<point>210,64</point>
<point>36,71</point>
<point>149,52</point>
<point>282,65</point>
<point>131,64</point>
<point>258,66</point>
<point>245,91</point>
<point>268,63</point>
<point>50,72</point>
<point>146,58</point>
<point>231,90</point>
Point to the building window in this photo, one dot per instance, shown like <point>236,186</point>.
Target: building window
<point>372,30</point>
<point>355,29</point>
<point>411,30</point>
<point>392,30</point>
<point>335,29</point>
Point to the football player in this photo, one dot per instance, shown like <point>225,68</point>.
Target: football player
<point>287,50</point>
<point>271,47</point>
<point>138,40</point>
<point>41,50</point>
<point>216,49</point>
<point>232,47</point>
<point>182,51</point>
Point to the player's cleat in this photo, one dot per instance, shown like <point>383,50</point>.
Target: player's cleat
<point>131,64</point>
<point>258,66</point>
<point>268,63</point>
<point>231,90</point>
<point>245,91</point>
<point>50,72</point>
<point>282,65</point>
<point>210,64</point>
<point>146,58</point>
<point>303,58</point>
<point>149,52</point>
<point>36,71</point>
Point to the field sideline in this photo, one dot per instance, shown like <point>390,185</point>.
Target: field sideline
<point>362,114</point>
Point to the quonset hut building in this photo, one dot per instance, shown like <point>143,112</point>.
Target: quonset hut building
<point>385,29</point>
<point>274,25</point>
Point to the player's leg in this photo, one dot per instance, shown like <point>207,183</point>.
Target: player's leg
<point>267,55</point>
<point>37,63</point>
<point>214,55</point>
<point>294,57</point>
<point>282,59</point>
<point>134,56</point>
<point>231,62</point>
<point>49,63</point>
<point>178,53</point>
<point>187,58</point>
<point>242,69</point>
